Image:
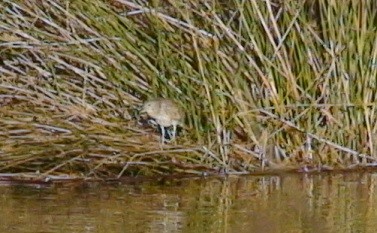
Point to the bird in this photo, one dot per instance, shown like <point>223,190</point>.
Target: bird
<point>166,113</point>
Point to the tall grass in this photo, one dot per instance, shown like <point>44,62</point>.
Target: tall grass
<point>264,84</point>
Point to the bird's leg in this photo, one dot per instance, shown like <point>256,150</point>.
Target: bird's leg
<point>162,134</point>
<point>174,131</point>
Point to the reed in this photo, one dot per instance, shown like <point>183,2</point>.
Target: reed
<point>264,85</point>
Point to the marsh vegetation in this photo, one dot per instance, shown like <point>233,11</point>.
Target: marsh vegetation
<point>264,85</point>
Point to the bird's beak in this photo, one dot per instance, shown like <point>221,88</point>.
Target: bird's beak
<point>141,109</point>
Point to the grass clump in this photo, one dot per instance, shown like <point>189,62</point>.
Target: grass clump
<point>264,84</point>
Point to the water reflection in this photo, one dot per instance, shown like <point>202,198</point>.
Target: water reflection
<point>281,203</point>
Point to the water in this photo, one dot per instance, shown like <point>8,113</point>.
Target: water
<point>280,203</point>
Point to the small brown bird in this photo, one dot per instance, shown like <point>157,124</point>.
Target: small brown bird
<point>166,113</point>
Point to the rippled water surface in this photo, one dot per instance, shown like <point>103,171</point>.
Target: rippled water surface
<point>280,203</point>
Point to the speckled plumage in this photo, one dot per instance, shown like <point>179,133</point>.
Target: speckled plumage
<point>165,112</point>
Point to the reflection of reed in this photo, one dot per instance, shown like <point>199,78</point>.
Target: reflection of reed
<point>288,203</point>
<point>281,203</point>
<point>167,218</point>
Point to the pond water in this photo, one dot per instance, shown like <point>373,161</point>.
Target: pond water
<point>327,202</point>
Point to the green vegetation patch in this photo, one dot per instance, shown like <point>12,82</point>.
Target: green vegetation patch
<point>265,85</point>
